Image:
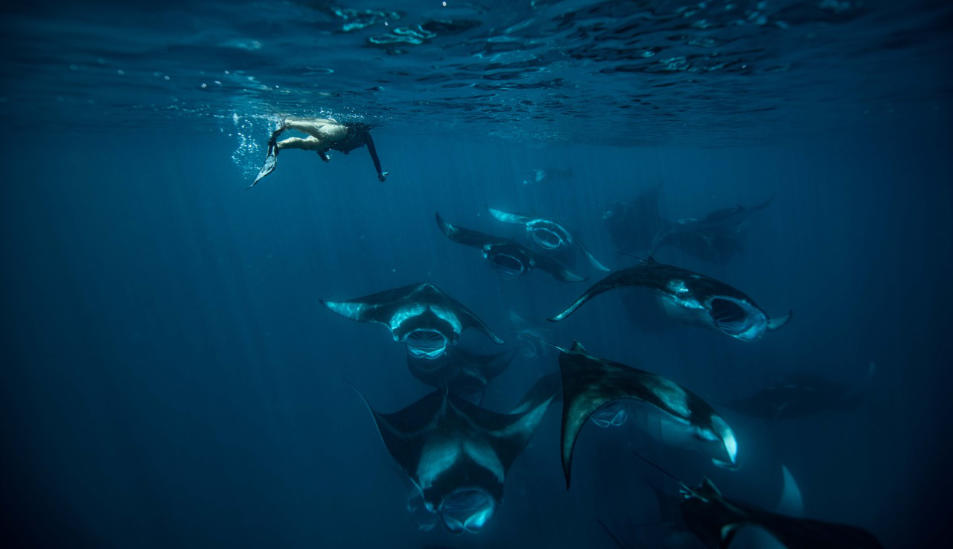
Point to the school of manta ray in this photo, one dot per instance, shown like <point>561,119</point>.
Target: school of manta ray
<point>457,453</point>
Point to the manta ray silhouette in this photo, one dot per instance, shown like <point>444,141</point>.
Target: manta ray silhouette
<point>716,520</point>
<point>420,315</point>
<point>548,235</point>
<point>591,383</point>
<point>507,255</point>
<point>457,454</point>
<point>693,296</point>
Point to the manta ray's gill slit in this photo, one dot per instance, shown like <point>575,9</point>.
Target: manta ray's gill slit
<point>507,264</point>
<point>531,417</point>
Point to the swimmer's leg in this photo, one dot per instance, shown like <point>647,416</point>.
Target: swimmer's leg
<point>304,143</point>
<point>324,155</point>
<point>316,127</point>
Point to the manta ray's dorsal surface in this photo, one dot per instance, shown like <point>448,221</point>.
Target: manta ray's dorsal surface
<point>414,313</point>
<point>801,395</point>
<point>506,254</point>
<point>590,383</point>
<point>697,296</point>
<point>452,449</point>
<point>716,520</point>
<point>547,234</point>
<point>712,237</point>
<point>633,225</point>
<point>724,219</point>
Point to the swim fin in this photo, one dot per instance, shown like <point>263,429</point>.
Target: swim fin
<point>271,162</point>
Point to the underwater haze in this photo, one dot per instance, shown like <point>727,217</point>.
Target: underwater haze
<point>172,376</point>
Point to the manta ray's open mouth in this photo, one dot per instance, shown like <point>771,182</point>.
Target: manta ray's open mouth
<point>467,510</point>
<point>546,239</point>
<point>736,318</point>
<point>507,264</point>
<point>426,343</point>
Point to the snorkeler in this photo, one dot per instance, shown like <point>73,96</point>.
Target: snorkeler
<point>324,134</point>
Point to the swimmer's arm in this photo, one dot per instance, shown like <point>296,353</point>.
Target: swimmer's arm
<point>382,175</point>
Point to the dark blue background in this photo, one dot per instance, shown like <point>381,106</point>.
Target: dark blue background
<point>170,378</point>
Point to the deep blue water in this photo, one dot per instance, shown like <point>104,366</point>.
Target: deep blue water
<point>170,377</point>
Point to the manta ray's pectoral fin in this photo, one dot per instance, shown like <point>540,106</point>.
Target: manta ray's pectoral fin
<point>506,217</point>
<point>592,259</point>
<point>469,319</point>
<point>583,394</point>
<point>779,322</point>
<point>514,433</point>
<point>496,364</point>
<point>556,269</point>
<point>609,282</point>
<point>762,205</point>
<point>404,432</point>
<point>377,307</point>
<point>565,275</point>
<point>460,235</point>
<point>728,533</point>
<point>790,502</point>
<point>354,310</point>
<point>660,237</point>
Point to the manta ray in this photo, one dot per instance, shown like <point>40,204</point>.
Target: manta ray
<point>463,373</point>
<point>691,296</point>
<point>457,454</point>
<point>714,237</point>
<point>590,383</point>
<point>801,395</point>
<point>420,315</point>
<point>548,235</point>
<point>632,225</point>
<point>671,531</point>
<point>717,520</point>
<point>507,255</point>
